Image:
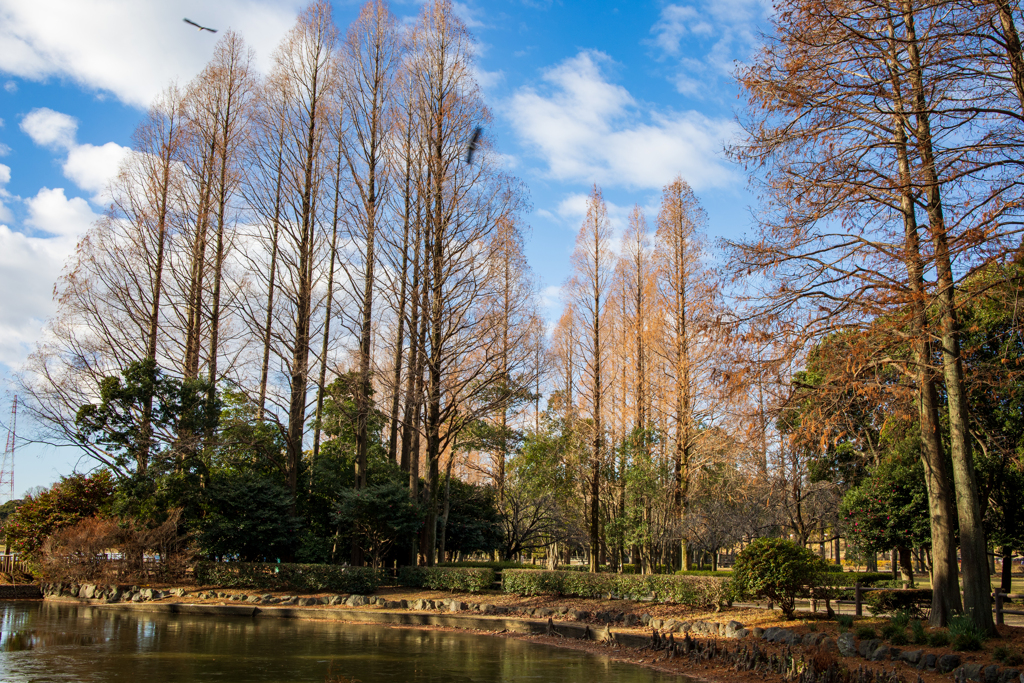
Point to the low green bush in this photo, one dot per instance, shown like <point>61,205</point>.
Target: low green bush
<point>1006,656</point>
<point>287,576</point>
<point>580,568</point>
<point>845,621</point>
<point>635,569</point>
<point>527,582</point>
<point>848,579</point>
<point>889,630</point>
<point>779,570</point>
<point>967,636</point>
<point>496,566</point>
<point>692,591</point>
<point>469,579</point>
<point>917,633</point>
<point>911,600</point>
<point>865,633</point>
<point>938,638</point>
<point>704,572</point>
<point>901,618</point>
<point>899,638</point>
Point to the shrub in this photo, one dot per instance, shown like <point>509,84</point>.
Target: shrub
<point>938,639</point>
<point>866,578</point>
<point>287,576</point>
<point>470,579</point>
<point>911,600</point>
<point>866,633</point>
<point>1007,656</point>
<point>845,621</point>
<point>249,518</point>
<point>692,591</point>
<point>379,517</point>
<point>901,618</point>
<point>63,505</point>
<point>899,638</point>
<point>533,582</point>
<point>917,634</point>
<point>496,566</point>
<point>779,570</point>
<point>77,553</point>
<point>890,630</point>
<point>967,636</point>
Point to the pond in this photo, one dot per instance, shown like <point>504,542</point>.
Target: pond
<point>44,641</point>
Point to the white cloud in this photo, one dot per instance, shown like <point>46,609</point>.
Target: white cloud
<point>589,129</point>
<point>472,17</point>
<point>707,39</point>
<point>11,87</point>
<point>5,177</point>
<point>51,211</point>
<point>92,167</point>
<point>551,297</point>
<point>49,128</point>
<point>675,22</point>
<point>29,265</point>
<point>487,79</point>
<point>130,48</point>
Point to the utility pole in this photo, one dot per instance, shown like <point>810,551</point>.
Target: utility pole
<point>7,466</point>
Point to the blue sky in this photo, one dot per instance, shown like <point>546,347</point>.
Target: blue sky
<point>626,95</point>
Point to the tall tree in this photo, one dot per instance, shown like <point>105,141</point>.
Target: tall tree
<point>370,57</point>
<point>305,67</point>
<point>589,293</point>
<point>111,297</point>
<point>682,288</point>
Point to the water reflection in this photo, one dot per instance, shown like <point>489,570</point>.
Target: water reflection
<point>55,642</point>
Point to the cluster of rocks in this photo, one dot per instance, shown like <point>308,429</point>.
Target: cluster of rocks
<point>731,629</point>
<point>106,593</point>
<point>986,674</point>
<point>847,645</point>
<point>354,601</point>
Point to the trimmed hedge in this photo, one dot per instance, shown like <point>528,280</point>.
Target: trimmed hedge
<point>469,579</point>
<point>496,566</point>
<point>849,578</point>
<point>914,600</point>
<point>692,591</point>
<point>287,576</point>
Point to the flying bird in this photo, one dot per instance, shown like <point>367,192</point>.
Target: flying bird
<point>471,147</point>
<point>201,28</point>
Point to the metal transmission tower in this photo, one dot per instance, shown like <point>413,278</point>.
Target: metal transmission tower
<point>7,466</point>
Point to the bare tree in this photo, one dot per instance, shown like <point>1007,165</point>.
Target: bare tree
<point>589,293</point>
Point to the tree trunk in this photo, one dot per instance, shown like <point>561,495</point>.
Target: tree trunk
<point>1006,579</point>
<point>976,584</point>
<point>945,582</point>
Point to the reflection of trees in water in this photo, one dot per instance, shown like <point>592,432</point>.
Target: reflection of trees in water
<point>157,647</point>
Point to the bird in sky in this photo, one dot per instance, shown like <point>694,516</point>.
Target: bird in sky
<point>201,28</point>
<point>471,147</point>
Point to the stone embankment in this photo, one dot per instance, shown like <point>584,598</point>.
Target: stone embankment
<point>19,591</point>
<point>106,593</point>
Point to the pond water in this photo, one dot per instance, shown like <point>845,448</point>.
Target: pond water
<point>42,641</point>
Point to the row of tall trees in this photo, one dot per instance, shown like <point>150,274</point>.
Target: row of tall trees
<point>271,233</point>
<point>633,376</point>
